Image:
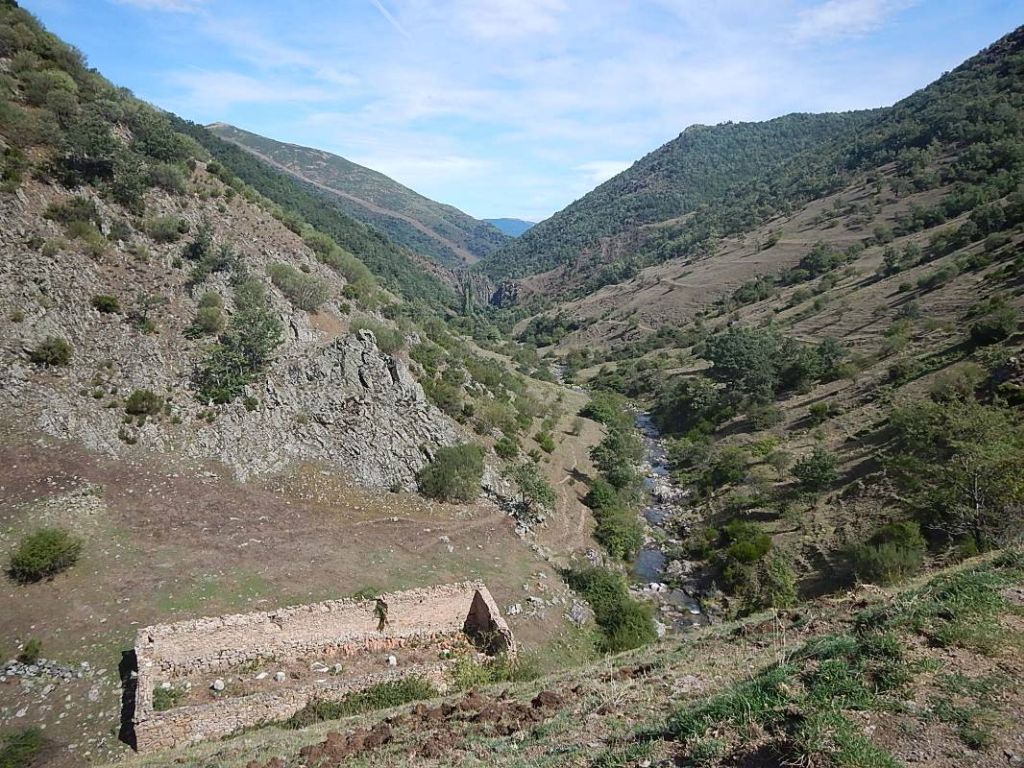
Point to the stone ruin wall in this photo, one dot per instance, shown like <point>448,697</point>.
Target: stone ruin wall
<point>336,627</point>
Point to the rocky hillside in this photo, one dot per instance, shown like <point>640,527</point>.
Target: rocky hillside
<point>442,232</point>
<point>838,387</point>
<point>149,300</point>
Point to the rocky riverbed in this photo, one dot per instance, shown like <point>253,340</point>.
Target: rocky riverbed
<point>675,585</point>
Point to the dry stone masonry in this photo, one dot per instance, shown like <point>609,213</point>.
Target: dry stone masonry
<point>333,629</point>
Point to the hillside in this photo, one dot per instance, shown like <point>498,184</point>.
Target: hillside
<point>836,391</point>
<point>713,182</point>
<point>511,227</point>
<point>925,676</point>
<point>442,232</point>
<point>698,167</point>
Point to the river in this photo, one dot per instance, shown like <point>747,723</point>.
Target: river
<point>661,576</point>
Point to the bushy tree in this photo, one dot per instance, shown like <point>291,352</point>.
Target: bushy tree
<point>959,465</point>
<point>44,553</point>
<point>891,554</point>
<point>453,474</point>
<point>816,471</point>
<point>535,491</point>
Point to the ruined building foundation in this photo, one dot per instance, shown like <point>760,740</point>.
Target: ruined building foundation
<point>424,618</point>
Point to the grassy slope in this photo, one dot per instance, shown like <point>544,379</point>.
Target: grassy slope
<point>440,231</point>
<point>930,674</point>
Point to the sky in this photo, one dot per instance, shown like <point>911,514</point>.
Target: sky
<point>516,107</point>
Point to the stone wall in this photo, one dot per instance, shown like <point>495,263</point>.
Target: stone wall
<point>336,627</point>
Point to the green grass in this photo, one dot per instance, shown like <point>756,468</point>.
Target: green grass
<point>166,698</point>
<point>467,673</point>
<point>382,696</point>
<point>20,749</point>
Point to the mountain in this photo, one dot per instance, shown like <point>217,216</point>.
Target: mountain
<point>718,181</point>
<point>690,171</point>
<point>511,227</point>
<point>442,232</point>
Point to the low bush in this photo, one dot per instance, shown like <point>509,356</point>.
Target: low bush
<point>166,698</point>
<point>51,351</point>
<point>381,696</point>
<point>22,748</point>
<point>468,673</point>
<point>31,651</point>
<point>545,440</point>
<point>625,622</point>
<point>143,402</point>
<point>893,553</point>
<point>506,447</point>
<point>44,553</point>
<point>108,305</point>
<point>306,292</point>
<point>389,340</point>
<point>454,474</point>
<point>209,321</point>
<point>166,229</point>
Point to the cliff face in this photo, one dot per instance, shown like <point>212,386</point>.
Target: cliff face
<point>329,394</point>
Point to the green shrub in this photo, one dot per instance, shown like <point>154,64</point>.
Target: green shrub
<point>506,447</point>
<point>893,553</point>
<point>625,623</point>
<point>44,553</point>
<point>304,291</point>
<point>619,531</point>
<point>817,471</point>
<point>545,440</point>
<point>209,321</point>
<point>108,305</point>
<point>21,749</point>
<point>244,351</point>
<point>995,326</point>
<point>389,340</point>
<point>380,696</point>
<point>51,351</point>
<point>143,402</point>
<point>468,673</point>
<point>75,209</point>
<point>747,542</point>
<point>454,474</point>
<point>166,229</point>
<point>31,652</point>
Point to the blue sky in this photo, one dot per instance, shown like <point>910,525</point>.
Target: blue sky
<point>516,107</point>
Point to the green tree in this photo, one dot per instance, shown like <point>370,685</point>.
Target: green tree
<point>453,474</point>
<point>816,471</point>
<point>535,492</point>
<point>959,465</point>
<point>616,457</point>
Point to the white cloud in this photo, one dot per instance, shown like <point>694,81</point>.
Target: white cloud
<point>599,171</point>
<point>505,20</point>
<point>845,18</point>
<point>173,6</point>
<point>205,89</point>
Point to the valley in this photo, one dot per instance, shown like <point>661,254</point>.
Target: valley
<point>734,441</point>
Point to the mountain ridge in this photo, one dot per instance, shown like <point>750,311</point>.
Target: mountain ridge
<point>439,231</point>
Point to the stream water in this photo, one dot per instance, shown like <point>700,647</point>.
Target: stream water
<point>669,584</point>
